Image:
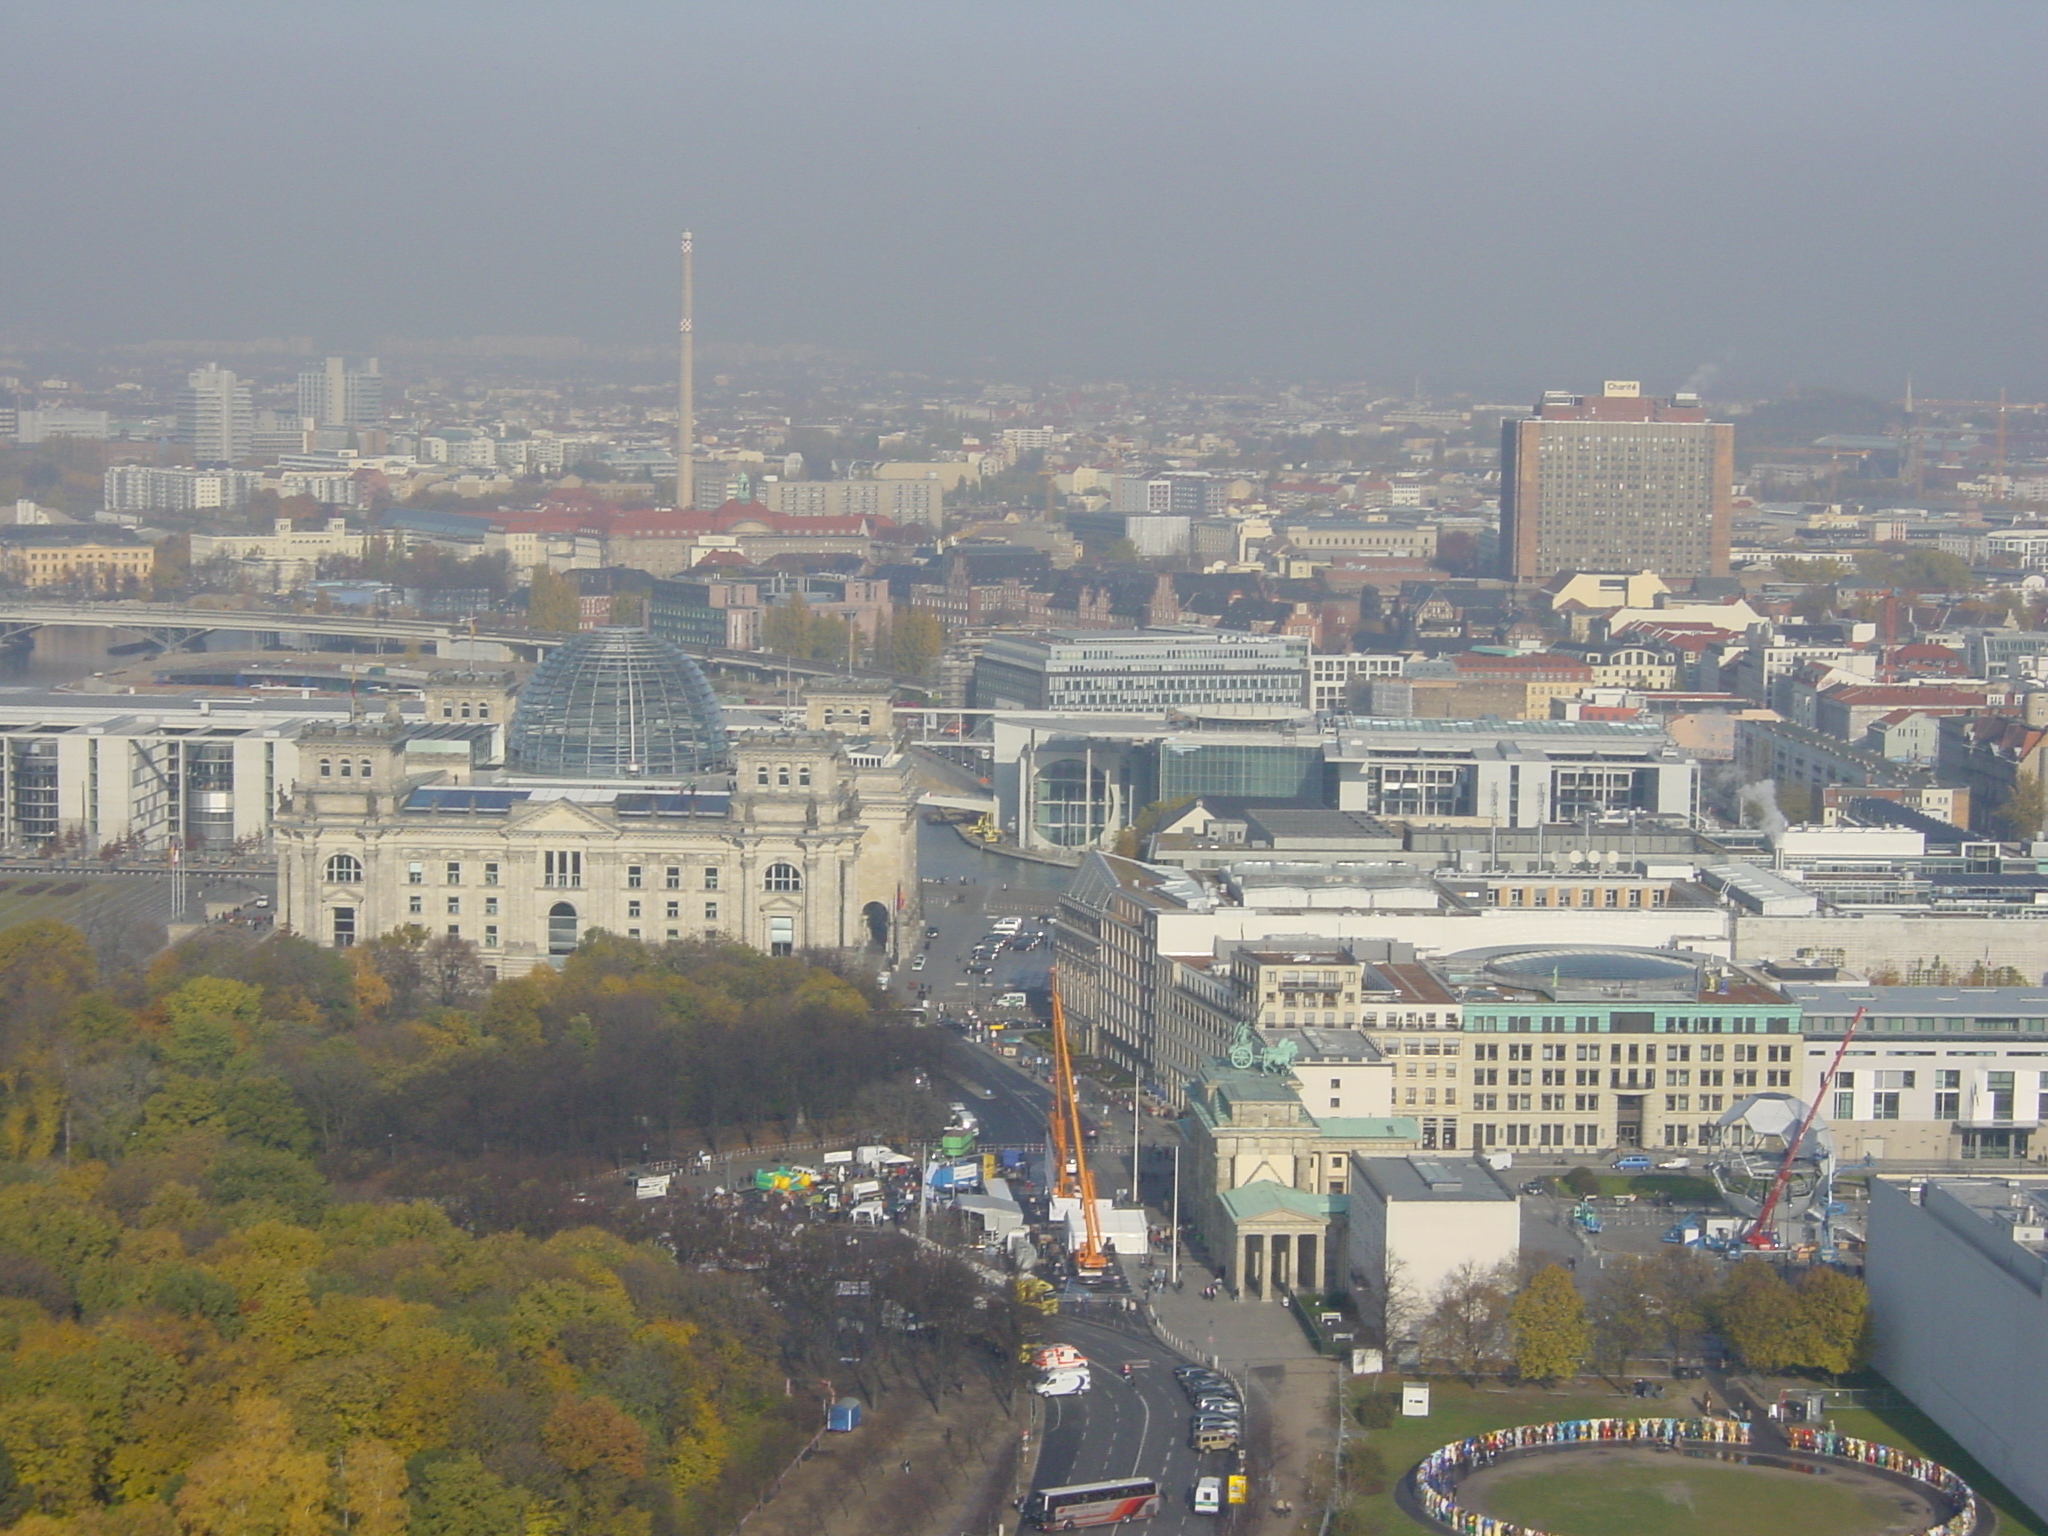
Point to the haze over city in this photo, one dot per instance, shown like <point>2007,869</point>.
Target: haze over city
<point>1494,198</point>
<point>1280,769</point>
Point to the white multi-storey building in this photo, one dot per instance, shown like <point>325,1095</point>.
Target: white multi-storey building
<point>336,395</point>
<point>920,502</point>
<point>1139,672</point>
<point>35,426</point>
<point>144,488</point>
<point>286,556</point>
<point>216,417</point>
<point>1934,1073</point>
<point>1509,773</point>
<point>176,771</point>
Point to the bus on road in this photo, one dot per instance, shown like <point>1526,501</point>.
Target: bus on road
<point>1081,1504</point>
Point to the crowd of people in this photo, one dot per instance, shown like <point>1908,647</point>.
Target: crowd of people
<point>1826,1442</point>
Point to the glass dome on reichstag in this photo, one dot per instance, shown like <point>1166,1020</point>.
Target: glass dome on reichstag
<point>616,704</point>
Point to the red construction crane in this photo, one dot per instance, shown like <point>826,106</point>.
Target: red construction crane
<point>1760,1233</point>
<point>1070,1145</point>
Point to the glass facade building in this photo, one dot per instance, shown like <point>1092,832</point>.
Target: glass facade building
<point>613,704</point>
<point>1254,771</point>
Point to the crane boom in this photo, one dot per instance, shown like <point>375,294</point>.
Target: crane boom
<point>1067,1138</point>
<point>1760,1234</point>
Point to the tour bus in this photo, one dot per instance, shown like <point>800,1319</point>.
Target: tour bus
<point>1079,1504</point>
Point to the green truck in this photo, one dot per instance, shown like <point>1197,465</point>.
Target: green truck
<point>957,1142</point>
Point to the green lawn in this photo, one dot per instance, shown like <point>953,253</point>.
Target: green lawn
<point>1681,1499</point>
<point>1457,1410</point>
<point>1909,1427</point>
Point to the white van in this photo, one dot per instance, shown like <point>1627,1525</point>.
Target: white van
<point>1007,926</point>
<point>1209,1496</point>
<point>1013,1000</point>
<point>1063,1383</point>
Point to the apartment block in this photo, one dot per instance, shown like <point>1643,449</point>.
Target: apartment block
<point>1615,481</point>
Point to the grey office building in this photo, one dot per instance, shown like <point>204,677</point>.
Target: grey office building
<point>1140,672</point>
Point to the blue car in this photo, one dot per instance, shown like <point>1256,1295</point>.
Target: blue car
<point>1635,1162</point>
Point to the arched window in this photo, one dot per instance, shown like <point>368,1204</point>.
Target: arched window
<point>867,717</point>
<point>783,877</point>
<point>761,775</point>
<point>483,711</point>
<point>363,769</point>
<point>561,929</point>
<point>782,775</point>
<point>326,767</point>
<point>344,869</point>
<point>346,768</point>
<point>803,775</point>
<point>465,711</point>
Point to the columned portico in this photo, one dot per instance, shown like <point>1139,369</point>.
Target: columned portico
<point>1278,1237</point>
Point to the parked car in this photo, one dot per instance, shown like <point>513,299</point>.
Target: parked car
<point>1633,1162</point>
<point>1207,1498</point>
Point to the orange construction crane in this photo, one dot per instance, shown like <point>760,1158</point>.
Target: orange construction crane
<point>1070,1146</point>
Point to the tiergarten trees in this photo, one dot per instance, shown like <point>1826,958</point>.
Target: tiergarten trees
<point>1547,1327</point>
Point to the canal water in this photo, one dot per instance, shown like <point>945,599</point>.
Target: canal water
<point>62,655</point>
<point>944,855</point>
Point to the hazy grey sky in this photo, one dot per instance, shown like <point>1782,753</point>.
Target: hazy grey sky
<point>1503,195</point>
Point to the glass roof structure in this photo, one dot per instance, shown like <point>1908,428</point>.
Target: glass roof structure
<point>616,704</point>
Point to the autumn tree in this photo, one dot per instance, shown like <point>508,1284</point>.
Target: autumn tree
<point>1467,1319</point>
<point>1837,1311</point>
<point>786,627</point>
<point>1680,1285</point>
<point>553,603</point>
<point>373,1485</point>
<point>262,1482</point>
<point>2025,808</point>
<point>46,1444</point>
<point>1761,1318</point>
<point>1621,1317</point>
<point>916,641</point>
<point>1547,1326</point>
<point>459,1496</point>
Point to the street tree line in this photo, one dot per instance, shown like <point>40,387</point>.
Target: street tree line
<point>1485,1320</point>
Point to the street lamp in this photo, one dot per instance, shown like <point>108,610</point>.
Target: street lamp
<point>1173,1227</point>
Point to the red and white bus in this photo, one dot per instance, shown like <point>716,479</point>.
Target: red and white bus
<point>1080,1504</point>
